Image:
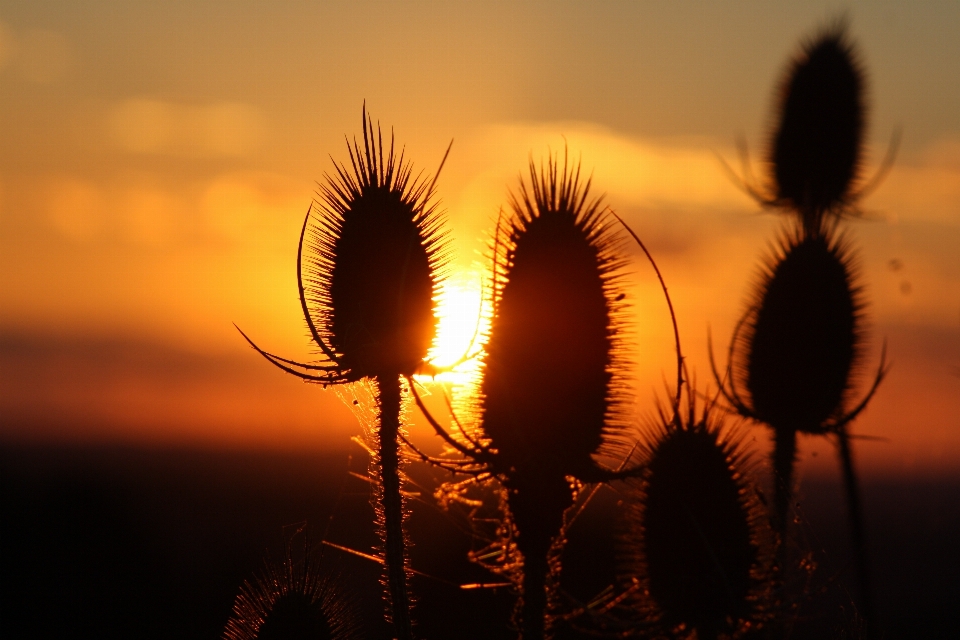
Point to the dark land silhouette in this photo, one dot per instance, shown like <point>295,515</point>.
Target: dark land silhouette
<point>116,542</point>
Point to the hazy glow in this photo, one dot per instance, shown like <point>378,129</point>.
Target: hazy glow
<point>157,165</point>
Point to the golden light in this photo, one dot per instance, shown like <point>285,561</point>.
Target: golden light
<point>463,321</point>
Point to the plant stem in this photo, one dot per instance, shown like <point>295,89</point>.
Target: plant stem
<point>784,457</point>
<point>533,611</point>
<point>388,390</point>
<point>855,509</point>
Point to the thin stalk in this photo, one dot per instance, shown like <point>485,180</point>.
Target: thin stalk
<point>533,612</point>
<point>784,457</point>
<point>857,532</point>
<point>388,391</point>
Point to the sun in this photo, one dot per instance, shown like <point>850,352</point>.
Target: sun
<point>462,323</point>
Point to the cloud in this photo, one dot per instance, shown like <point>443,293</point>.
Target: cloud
<point>688,175</point>
<point>675,190</point>
<point>218,130</point>
<point>245,206</point>
<point>928,190</point>
<point>630,170</point>
<point>100,387</point>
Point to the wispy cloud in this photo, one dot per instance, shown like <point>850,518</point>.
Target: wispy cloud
<point>219,130</point>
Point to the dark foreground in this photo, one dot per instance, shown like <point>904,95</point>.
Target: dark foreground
<point>133,543</point>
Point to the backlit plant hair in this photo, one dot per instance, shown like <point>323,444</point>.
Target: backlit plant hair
<point>793,355</point>
<point>376,253</point>
<point>696,549</point>
<point>293,600</point>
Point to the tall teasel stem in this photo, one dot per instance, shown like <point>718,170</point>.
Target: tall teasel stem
<point>388,452</point>
<point>373,268</point>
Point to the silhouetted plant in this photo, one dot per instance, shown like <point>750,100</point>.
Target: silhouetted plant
<point>550,391</point>
<point>801,341</point>
<point>796,349</point>
<point>696,549</point>
<point>553,377</point>
<point>376,256</point>
<point>293,600</point>
<point>817,149</point>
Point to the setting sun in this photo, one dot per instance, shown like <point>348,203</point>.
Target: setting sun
<point>463,322</point>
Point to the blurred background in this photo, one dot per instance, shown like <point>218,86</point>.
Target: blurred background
<point>156,161</point>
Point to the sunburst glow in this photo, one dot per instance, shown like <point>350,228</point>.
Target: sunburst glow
<point>463,321</point>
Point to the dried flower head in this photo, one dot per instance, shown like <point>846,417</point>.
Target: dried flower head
<point>552,384</point>
<point>697,531</point>
<point>378,256</point>
<point>804,335</point>
<point>292,600</point>
<point>817,149</point>
<point>375,256</point>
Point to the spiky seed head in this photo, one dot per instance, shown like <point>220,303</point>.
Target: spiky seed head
<point>378,252</point>
<point>292,601</point>
<point>817,145</point>
<point>694,535</point>
<point>804,337</point>
<point>294,616</point>
<point>548,391</point>
<point>549,388</point>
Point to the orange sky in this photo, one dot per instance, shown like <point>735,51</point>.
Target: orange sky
<point>157,161</point>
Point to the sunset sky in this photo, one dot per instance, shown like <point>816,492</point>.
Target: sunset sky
<point>156,161</point>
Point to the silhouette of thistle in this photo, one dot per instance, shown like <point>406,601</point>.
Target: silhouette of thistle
<point>817,149</point>
<point>800,342</point>
<point>552,388</point>
<point>376,253</point>
<point>695,543</point>
<point>550,391</point>
<point>292,600</point>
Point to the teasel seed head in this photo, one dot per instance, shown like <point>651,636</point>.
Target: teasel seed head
<point>292,600</point>
<point>555,360</point>
<point>816,151</point>
<point>551,387</point>
<point>697,539</point>
<point>804,336</point>
<point>377,258</point>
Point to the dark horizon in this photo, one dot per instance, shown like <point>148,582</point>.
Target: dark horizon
<point>120,542</point>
